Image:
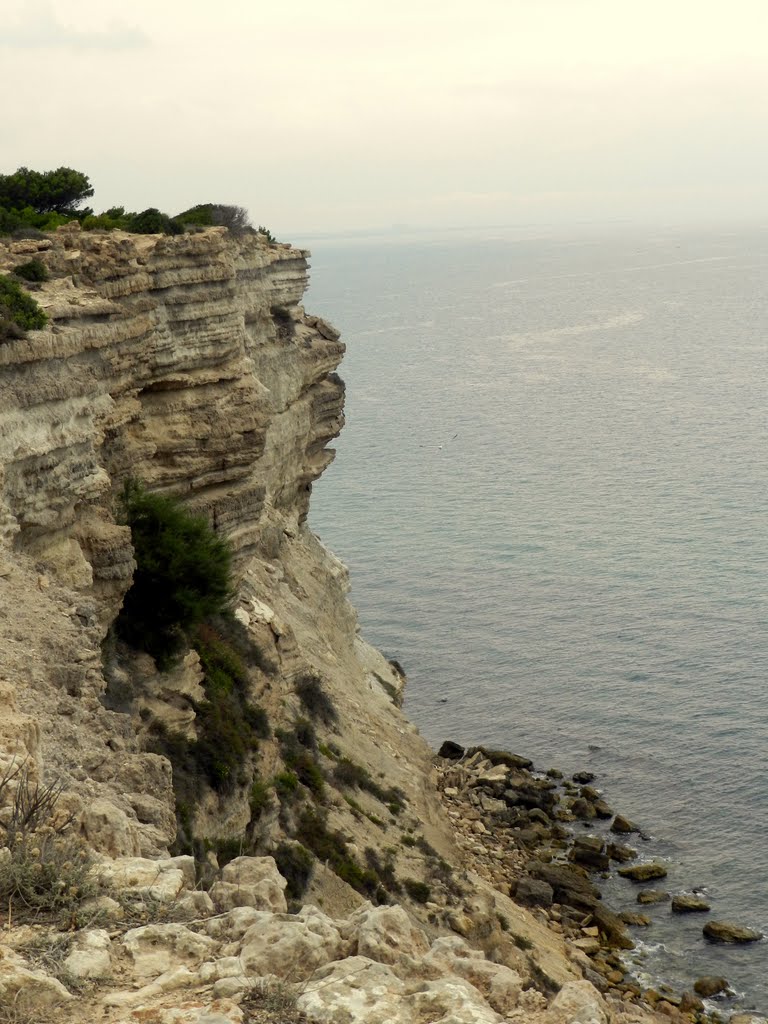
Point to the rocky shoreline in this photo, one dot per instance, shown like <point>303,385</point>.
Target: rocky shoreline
<point>523,830</point>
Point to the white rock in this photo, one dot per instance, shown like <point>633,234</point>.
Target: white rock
<point>156,949</point>
<point>22,989</point>
<point>579,1002</point>
<point>500,985</point>
<point>155,879</point>
<point>358,990</point>
<point>250,882</point>
<point>386,934</point>
<point>232,926</point>
<point>90,955</point>
<point>291,946</point>
<point>355,990</point>
<point>108,828</point>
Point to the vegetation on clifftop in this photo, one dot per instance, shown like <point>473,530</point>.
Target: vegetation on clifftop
<point>38,201</point>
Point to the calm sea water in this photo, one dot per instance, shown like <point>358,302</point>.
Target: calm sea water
<point>551,492</point>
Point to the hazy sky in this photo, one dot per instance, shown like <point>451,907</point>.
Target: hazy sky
<point>337,114</point>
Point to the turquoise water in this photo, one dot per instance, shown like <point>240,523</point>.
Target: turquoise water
<point>580,572</point>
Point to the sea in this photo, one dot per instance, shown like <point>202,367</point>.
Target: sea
<point>552,495</point>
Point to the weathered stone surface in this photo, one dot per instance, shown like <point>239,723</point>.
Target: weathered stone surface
<point>644,872</point>
<point>386,934</point>
<point>90,955</point>
<point>689,903</point>
<point>499,985</point>
<point>623,826</point>
<point>250,882</point>
<point>450,750</point>
<point>726,931</point>
<point>710,985</point>
<point>156,949</point>
<point>649,896</point>
<point>358,990</point>
<point>580,1003</point>
<point>291,945</point>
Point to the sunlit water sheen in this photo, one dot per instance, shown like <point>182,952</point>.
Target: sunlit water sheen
<point>582,570</point>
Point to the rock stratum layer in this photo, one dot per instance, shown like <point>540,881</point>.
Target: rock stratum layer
<point>190,364</point>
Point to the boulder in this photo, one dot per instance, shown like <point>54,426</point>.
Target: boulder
<point>386,935</point>
<point>621,853</point>
<point>533,892</point>
<point>500,985</point>
<point>157,949</point>
<point>709,986</point>
<point>623,826</point>
<point>451,751</point>
<point>583,809</point>
<point>291,945</point>
<point>689,903</point>
<point>504,757</point>
<point>584,778</point>
<point>570,884</point>
<point>89,956</point>
<point>357,990</point>
<point>250,882</point>
<point>644,872</point>
<point>690,1003</point>
<point>725,931</point>
<point>579,1002</point>
<point>602,810</point>
<point>636,920</point>
<point>648,896</point>
<point>590,851</point>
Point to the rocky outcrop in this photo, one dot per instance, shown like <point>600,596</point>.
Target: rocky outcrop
<point>189,363</point>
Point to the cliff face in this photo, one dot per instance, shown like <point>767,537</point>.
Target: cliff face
<point>189,363</point>
<point>186,362</point>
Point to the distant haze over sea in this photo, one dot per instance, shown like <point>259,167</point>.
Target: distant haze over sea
<point>551,492</point>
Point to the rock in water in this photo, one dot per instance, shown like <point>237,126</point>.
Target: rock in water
<point>709,986</point>
<point>652,896</point>
<point>623,826</point>
<point>725,931</point>
<point>687,903</point>
<point>644,872</point>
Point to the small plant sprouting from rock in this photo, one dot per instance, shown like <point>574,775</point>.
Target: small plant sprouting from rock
<point>44,866</point>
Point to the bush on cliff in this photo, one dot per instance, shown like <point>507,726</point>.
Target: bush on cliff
<point>182,573</point>
<point>18,307</point>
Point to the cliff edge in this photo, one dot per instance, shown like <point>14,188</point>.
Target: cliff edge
<point>188,363</point>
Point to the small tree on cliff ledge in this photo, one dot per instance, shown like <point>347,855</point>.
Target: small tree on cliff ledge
<point>182,574</point>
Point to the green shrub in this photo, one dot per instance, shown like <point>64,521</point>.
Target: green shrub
<point>258,799</point>
<point>34,270</point>
<point>418,891</point>
<point>294,862</point>
<point>153,222</point>
<point>19,307</point>
<point>286,784</point>
<point>348,773</point>
<point>315,700</point>
<point>182,573</point>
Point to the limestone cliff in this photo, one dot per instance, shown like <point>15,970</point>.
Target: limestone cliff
<point>188,362</point>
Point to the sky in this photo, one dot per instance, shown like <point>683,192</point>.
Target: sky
<point>353,115</point>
